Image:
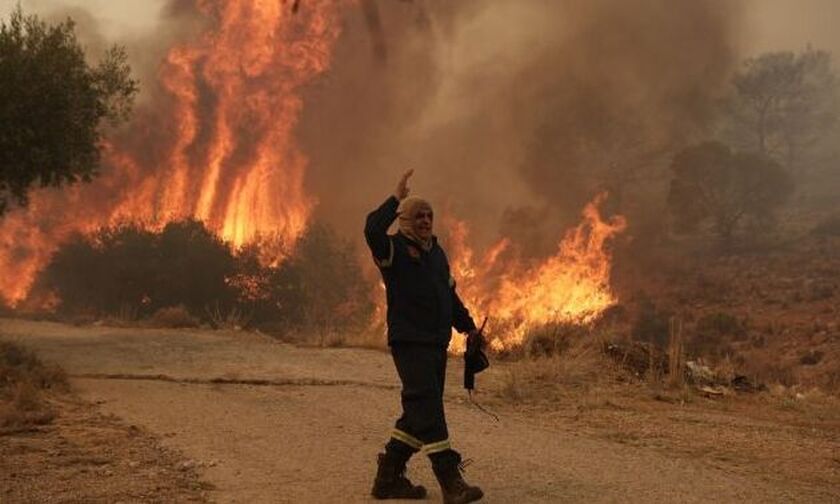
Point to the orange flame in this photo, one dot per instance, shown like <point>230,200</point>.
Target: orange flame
<point>218,148</point>
<point>573,285</point>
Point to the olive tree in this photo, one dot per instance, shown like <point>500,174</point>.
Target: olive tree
<point>54,105</point>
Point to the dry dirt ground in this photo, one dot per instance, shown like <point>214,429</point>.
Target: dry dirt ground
<point>236,417</point>
<point>85,456</point>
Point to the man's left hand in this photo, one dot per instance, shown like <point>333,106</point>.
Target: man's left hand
<point>476,338</point>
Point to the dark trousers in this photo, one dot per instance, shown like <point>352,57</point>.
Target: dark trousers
<point>422,371</point>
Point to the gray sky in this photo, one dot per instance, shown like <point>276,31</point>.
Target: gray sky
<point>792,24</point>
<point>770,24</point>
<point>116,17</point>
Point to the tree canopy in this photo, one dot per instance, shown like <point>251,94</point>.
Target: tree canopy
<point>53,105</point>
<point>713,185</point>
<point>783,103</point>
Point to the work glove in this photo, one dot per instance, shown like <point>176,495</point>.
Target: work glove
<point>475,360</point>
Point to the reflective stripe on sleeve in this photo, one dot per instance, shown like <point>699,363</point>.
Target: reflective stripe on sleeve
<point>384,263</point>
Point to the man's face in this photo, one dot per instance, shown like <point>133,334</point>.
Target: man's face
<point>422,223</point>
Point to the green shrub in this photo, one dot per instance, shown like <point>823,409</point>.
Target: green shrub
<point>129,267</point>
<point>127,272</point>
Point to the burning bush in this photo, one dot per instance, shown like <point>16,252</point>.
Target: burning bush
<point>184,273</point>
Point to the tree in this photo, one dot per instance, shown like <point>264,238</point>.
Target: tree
<point>784,103</point>
<point>711,184</point>
<point>333,292</point>
<point>129,266</point>
<point>53,105</point>
<point>104,272</point>
<point>194,267</point>
<point>129,270</point>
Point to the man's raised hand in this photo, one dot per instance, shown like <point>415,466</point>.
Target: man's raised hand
<point>402,187</point>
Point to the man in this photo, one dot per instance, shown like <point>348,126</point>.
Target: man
<point>422,309</point>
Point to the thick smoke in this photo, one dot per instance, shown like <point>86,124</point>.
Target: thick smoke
<point>507,109</point>
<point>511,112</point>
<point>514,113</point>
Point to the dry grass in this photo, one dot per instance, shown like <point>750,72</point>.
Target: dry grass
<point>173,317</point>
<point>23,381</point>
<point>368,338</point>
<point>770,369</point>
<point>24,409</point>
<point>231,320</point>
<point>580,365</point>
<point>676,353</point>
<point>810,404</point>
<point>18,364</point>
<point>125,316</point>
<point>586,391</point>
<point>331,337</point>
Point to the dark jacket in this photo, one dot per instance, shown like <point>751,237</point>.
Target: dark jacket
<point>422,303</point>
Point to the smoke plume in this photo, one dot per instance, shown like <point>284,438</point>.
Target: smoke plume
<point>511,112</point>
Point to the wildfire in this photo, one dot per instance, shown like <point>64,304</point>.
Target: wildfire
<point>217,146</point>
<point>573,285</point>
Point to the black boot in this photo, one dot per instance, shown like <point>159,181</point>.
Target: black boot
<point>448,468</point>
<point>391,482</point>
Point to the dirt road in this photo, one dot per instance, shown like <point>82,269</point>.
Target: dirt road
<point>269,422</point>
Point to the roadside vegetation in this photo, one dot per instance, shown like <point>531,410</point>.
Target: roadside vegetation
<point>184,276</point>
<point>25,385</point>
<point>593,382</point>
<point>55,106</point>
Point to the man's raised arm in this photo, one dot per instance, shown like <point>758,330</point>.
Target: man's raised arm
<point>378,222</point>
